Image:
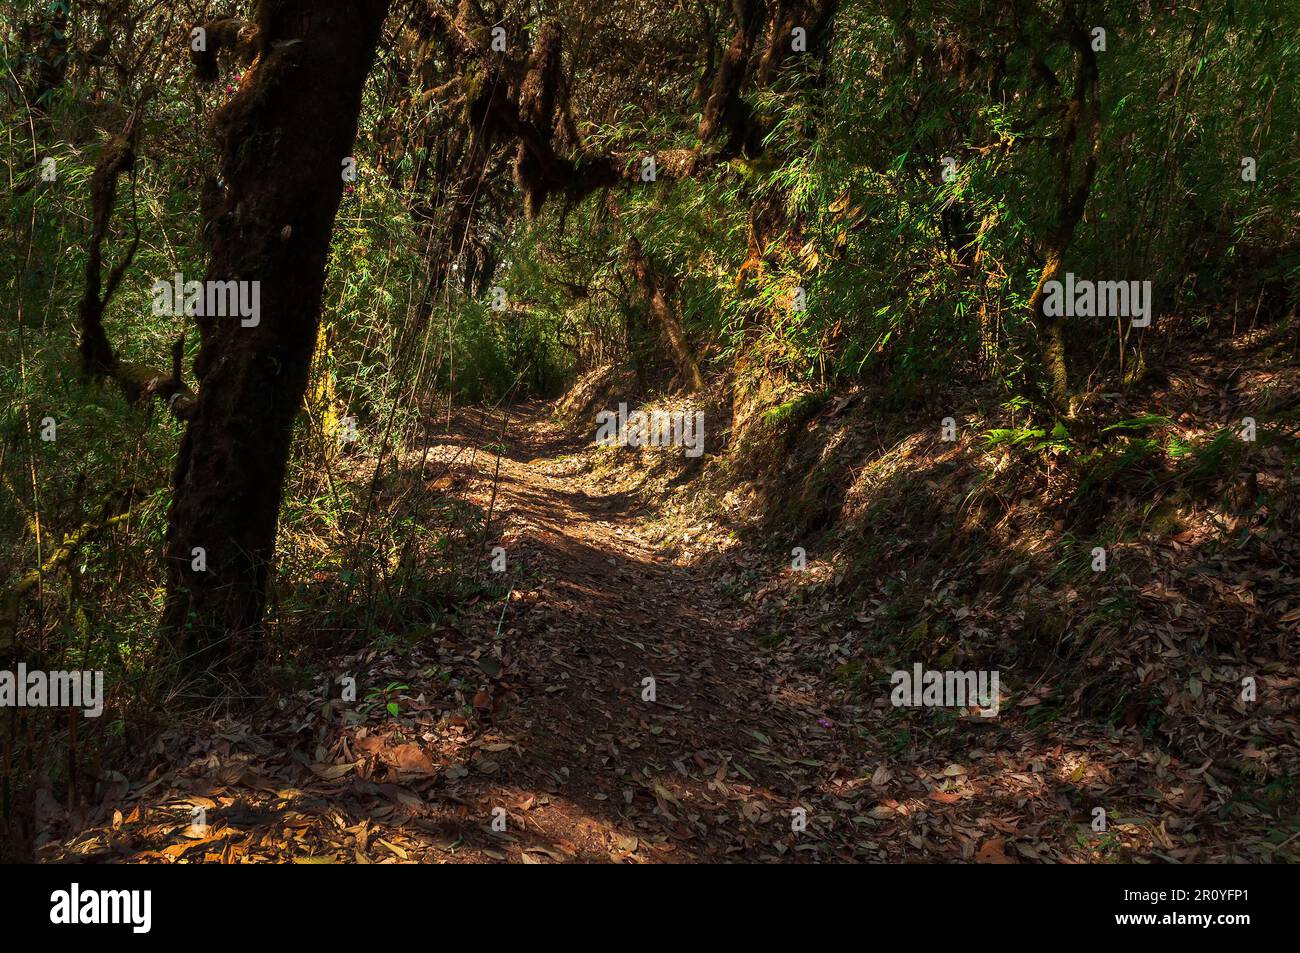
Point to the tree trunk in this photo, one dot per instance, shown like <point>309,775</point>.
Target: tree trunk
<point>725,111</point>
<point>1082,114</point>
<point>97,357</point>
<point>282,139</point>
<point>663,315</point>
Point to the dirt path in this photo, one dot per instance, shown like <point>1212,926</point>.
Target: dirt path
<point>716,764</point>
<point>530,733</point>
<point>526,730</point>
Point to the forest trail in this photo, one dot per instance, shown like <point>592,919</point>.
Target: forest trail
<point>557,743</point>
<point>717,763</point>
<point>993,316</point>
<point>520,730</point>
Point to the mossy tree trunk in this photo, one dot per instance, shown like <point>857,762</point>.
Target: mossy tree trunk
<point>664,315</point>
<point>282,139</point>
<point>725,111</point>
<point>1080,133</point>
